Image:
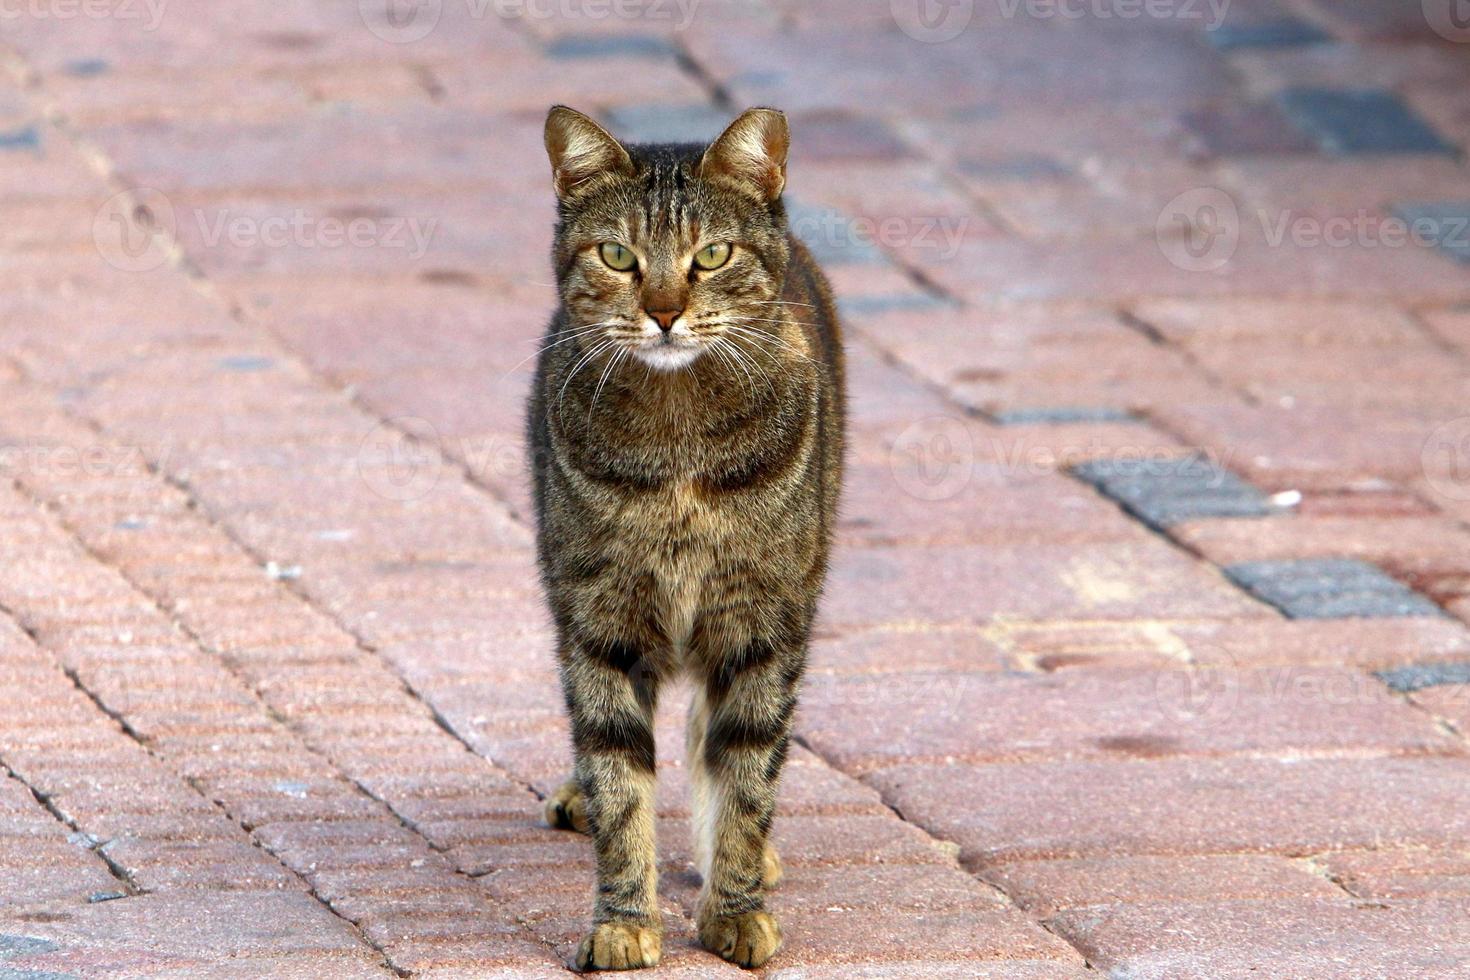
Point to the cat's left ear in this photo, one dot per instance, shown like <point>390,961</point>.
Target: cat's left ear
<point>580,150</point>
<point>752,152</point>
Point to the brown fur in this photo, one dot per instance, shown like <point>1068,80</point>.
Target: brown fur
<point>684,515</point>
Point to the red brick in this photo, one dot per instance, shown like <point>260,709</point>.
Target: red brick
<point>1395,875</point>
<point>1290,939</point>
<point>1005,812</point>
<point>1044,887</point>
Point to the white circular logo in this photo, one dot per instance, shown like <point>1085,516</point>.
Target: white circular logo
<point>1191,695</point>
<point>933,458</point>
<point>133,230</point>
<point>1446,459</point>
<point>1199,230</point>
<point>932,21</point>
<point>1450,19</point>
<point>400,459</point>
<point>401,21</point>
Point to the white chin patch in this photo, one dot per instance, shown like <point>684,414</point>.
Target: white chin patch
<point>664,358</point>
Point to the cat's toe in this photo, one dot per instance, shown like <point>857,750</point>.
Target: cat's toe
<point>619,946</point>
<point>746,940</point>
<point>771,869</point>
<point>566,809</point>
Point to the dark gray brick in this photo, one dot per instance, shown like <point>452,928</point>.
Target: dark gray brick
<point>246,362</point>
<point>857,306</point>
<point>25,138</point>
<point>1063,415</point>
<point>667,123</point>
<point>1162,492</point>
<point>1418,676</point>
<point>1329,588</point>
<point>610,46</point>
<point>13,945</point>
<point>1445,225</point>
<point>1352,121</point>
<point>1288,32</point>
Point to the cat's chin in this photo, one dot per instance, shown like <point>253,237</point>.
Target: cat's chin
<point>666,358</point>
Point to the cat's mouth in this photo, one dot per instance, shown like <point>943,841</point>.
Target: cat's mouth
<point>668,350</point>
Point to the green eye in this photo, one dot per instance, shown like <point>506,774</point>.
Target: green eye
<point>617,257</point>
<point>712,256</point>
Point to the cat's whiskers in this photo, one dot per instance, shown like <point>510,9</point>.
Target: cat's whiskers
<point>587,357</point>
<point>571,336</point>
<point>606,372</point>
<point>760,340</point>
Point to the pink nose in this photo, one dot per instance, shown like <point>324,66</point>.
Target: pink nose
<point>665,318</point>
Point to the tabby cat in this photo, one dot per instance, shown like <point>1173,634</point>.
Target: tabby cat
<point>686,432</point>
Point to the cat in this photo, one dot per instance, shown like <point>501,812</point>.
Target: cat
<point>686,440</point>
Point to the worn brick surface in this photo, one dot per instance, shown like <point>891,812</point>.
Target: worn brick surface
<point>278,696</point>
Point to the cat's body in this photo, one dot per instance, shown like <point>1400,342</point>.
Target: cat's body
<point>685,511</point>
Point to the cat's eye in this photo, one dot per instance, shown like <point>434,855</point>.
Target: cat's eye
<point>617,256</point>
<point>712,256</point>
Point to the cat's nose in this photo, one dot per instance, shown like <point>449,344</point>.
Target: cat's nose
<point>665,318</point>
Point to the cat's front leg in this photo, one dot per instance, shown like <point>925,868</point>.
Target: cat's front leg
<point>746,706</point>
<point>610,699</point>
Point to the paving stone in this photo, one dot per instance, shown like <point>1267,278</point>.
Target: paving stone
<point>25,138</point>
<point>1240,129</point>
<point>1349,122</point>
<point>1284,33</point>
<point>1442,224</point>
<point>1419,676</point>
<point>666,123</point>
<point>1164,492</point>
<point>1045,887</point>
<point>571,46</point>
<point>1293,940</point>
<point>1005,812</point>
<point>1062,415</point>
<point>1329,588</point>
<point>1393,874</point>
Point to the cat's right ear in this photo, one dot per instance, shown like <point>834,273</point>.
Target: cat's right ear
<point>580,150</point>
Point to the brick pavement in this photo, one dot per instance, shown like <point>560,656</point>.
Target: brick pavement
<point>1133,300</point>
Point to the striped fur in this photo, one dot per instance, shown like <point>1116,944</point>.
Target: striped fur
<point>684,516</point>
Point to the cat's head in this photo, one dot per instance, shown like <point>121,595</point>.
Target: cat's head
<point>663,250</point>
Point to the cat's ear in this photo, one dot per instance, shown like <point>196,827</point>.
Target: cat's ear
<point>579,150</point>
<point>752,152</point>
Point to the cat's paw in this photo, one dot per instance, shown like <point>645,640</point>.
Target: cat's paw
<point>771,869</point>
<point>746,940</point>
<point>566,809</point>
<point>619,946</point>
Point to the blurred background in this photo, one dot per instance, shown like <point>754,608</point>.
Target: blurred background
<point>1144,649</point>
